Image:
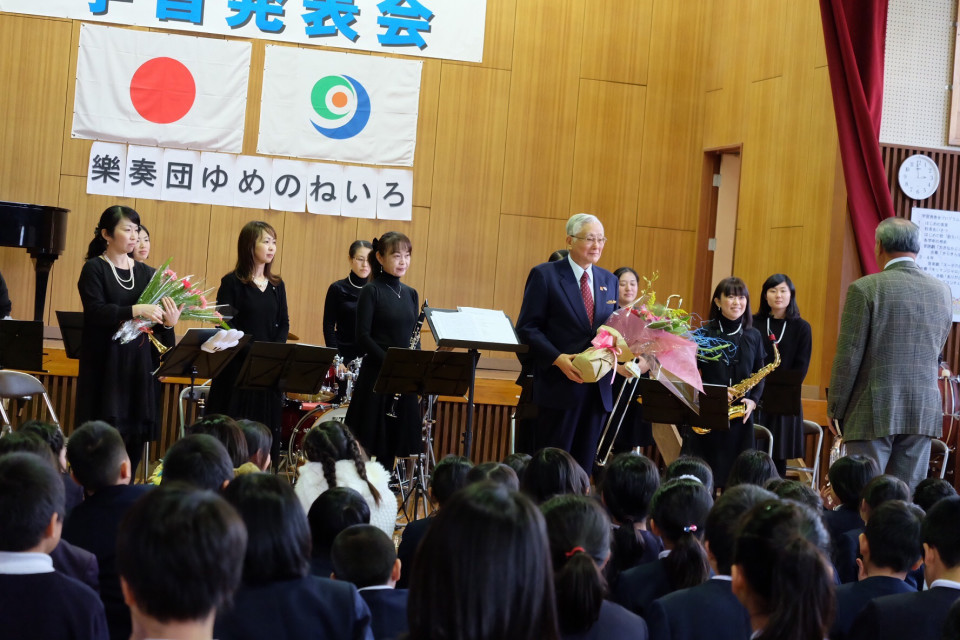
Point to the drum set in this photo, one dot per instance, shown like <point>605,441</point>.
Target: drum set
<point>303,411</point>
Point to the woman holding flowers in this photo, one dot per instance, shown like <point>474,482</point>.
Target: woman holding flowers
<point>386,316</point>
<point>778,318</point>
<point>730,320</point>
<point>257,305</point>
<point>115,381</point>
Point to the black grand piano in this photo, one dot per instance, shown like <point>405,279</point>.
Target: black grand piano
<point>42,231</point>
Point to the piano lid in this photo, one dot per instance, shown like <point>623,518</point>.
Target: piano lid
<point>41,229</point>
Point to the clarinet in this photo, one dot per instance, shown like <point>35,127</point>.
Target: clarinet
<point>414,343</point>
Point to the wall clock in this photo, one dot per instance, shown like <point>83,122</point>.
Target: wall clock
<point>919,177</point>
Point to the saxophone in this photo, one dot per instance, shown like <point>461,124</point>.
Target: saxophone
<point>739,409</point>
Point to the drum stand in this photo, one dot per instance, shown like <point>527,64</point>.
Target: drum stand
<point>423,463</point>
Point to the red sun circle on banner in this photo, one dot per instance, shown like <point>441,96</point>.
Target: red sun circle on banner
<point>162,90</point>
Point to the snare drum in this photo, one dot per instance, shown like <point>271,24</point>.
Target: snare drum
<point>321,413</point>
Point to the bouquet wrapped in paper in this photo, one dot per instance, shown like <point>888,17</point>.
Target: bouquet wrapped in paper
<point>664,341</point>
<point>166,284</point>
<point>609,347</point>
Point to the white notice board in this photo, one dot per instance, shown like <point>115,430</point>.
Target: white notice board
<point>940,248</point>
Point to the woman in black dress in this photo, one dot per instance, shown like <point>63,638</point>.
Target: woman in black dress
<point>386,315</point>
<point>340,307</point>
<point>115,381</point>
<point>779,317</point>
<point>730,320</point>
<point>258,305</point>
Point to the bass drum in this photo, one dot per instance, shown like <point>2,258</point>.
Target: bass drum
<point>321,414</point>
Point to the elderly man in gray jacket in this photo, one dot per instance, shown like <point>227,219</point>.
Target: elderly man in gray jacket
<point>883,387</point>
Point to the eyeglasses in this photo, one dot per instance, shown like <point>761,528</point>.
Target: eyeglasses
<point>592,239</point>
<point>360,259</point>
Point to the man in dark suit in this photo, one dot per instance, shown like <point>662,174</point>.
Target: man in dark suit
<point>35,600</point>
<point>890,547</point>
<point>99,463</point>
<point>710,610</point>
<point>365,555</point>
<point>920,615</point>
<point>180,557</point>
<point>884,381</point>
<point>564,303</point>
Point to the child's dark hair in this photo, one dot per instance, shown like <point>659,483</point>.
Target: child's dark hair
<point>518,462</point>
<point>691,466</point>
<point>51,434</point>
<point>364,555</point>
<point>553,472</point>
<point>679,510</point>
<point>109,220</point>
<point>930,491</point>
<point>883,488</point>
<point>724,518</point>
<point>31,492</point>
<point>752,467</point>
<point>96,453</point>
<point>448,477</point>
<point>628,485</point>
<point>198,460</point>
<point>228,432</point>
<point>331,441</point>
<point>797,491</point>
<point>849,475</point>
<point>893,533</point>
<point>22,441</point>
<point>333,511</point>
<point>495,471</point>
<point>939,530</point>
<point>258,437</point>
<point>778,555</point>
<point>180,551</point>
<point>579,535</point>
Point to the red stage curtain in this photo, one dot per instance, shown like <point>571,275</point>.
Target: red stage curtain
<point>854,32</point>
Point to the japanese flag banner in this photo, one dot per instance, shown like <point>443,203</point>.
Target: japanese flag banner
<point>161,89</point>
<point>339,106</point>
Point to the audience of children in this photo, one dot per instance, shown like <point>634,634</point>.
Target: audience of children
<point>332,512</point>
<point>365,556</point>
<point>259,444</point>
<point>53,436</point>
<point>335,459</point>
<point>278,598</point>
<point>752,467</point>
<point>37,601</point>
<point>488,564</point>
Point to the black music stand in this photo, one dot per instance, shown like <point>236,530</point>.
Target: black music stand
<point>428,374</point>
<point>21,345</point>
<point>294,368</point>
<point>71,331</point>
<point>660,405</point>
<point>459,338</point>
<point>781,393</point>
<point>187,359</point>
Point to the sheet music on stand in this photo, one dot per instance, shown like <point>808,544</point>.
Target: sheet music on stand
<point>473,329</point>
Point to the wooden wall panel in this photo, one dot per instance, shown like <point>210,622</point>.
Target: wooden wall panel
<point>471,135</point>
<point>625,56</point>
<point>251,125</point>
<point>31,139</point>
<point>723,118</point>
<point>543,103</point>
<point>498,34</point>
<point>670,252</point>
<point>671,155</point>
<point>523,243</point>
<point>425,152</point>
<point>76,152</point>
<point>762,159</point>
<point>767,27</point>
<point>725,45</point>
<point>606,165</point>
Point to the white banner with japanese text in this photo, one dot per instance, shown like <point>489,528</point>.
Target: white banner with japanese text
<point>339,106</point>
<point>161,89</point>
<point>940,248</point>
<point>450,29</point>
<point>258,182</point>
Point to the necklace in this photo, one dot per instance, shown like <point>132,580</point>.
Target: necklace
<point>769,333</point>
<point>350,280</point>
<point>123,283</point>
<point>731,333</point>
<point>399,289</point>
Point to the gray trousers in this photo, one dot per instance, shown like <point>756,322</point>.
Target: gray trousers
<point>904,456</point>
